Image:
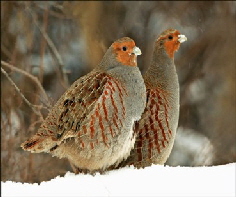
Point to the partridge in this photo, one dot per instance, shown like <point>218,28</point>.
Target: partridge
<point>156,129</point>
<point>92,123</point>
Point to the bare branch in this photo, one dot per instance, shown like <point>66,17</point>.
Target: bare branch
<point>43,46</point>
<point>52,48</point>
<point>32,126</point>
<point>53,12</point>
<point>33,78</point>
<point>35,108</point>
<point>6,51</point>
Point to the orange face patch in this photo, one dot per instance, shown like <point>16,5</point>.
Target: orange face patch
<point>124,53</point>
<point>171,43</point>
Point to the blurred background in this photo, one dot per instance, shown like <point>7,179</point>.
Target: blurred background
<point>56,42</point>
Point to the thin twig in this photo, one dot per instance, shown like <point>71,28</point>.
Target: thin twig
<point>52,12</point>
<point>33,107</point>
<point>6,51</point>
<point>52,48</point>
<point>32,126</point>
<point>33,78</point>
<point>43,46</point>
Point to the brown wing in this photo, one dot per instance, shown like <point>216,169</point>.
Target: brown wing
<point>91,110</point>
<point>104,120</point>
<point>153,131</point>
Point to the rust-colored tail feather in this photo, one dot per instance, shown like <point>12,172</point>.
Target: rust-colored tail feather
<point>38,144</point>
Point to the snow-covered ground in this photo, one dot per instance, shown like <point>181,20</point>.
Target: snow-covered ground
<point>151,181</point>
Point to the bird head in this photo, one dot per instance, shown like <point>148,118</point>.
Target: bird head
<point>170,40</point>
<point>126,52</point>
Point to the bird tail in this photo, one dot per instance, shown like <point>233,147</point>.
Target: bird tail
<point>38,144</point>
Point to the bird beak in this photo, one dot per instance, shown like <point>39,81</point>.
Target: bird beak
<point>182,38</point>
<point>137,51</point>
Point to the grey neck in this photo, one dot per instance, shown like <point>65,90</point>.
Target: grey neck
<point>108,61</point>
<point>162,72</point>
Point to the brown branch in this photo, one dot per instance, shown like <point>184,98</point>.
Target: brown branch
<point>52,48</point>
<point>52,12</point>
<point>33,78</point>
<point>6,51</point>
<point>35,108</point>
<point>32,126</point>
<point>43,46</point>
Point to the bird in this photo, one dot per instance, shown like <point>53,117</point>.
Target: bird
<point>92,122</point>
<point>156,130</point>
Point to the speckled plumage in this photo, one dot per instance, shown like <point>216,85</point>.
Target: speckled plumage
<point>156,129</point>
<point>92,123</point>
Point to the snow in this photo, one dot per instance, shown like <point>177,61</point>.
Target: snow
<point>156,180</point>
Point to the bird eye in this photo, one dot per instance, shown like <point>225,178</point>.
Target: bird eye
<point>124,48</point>
<point>170,37</point>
